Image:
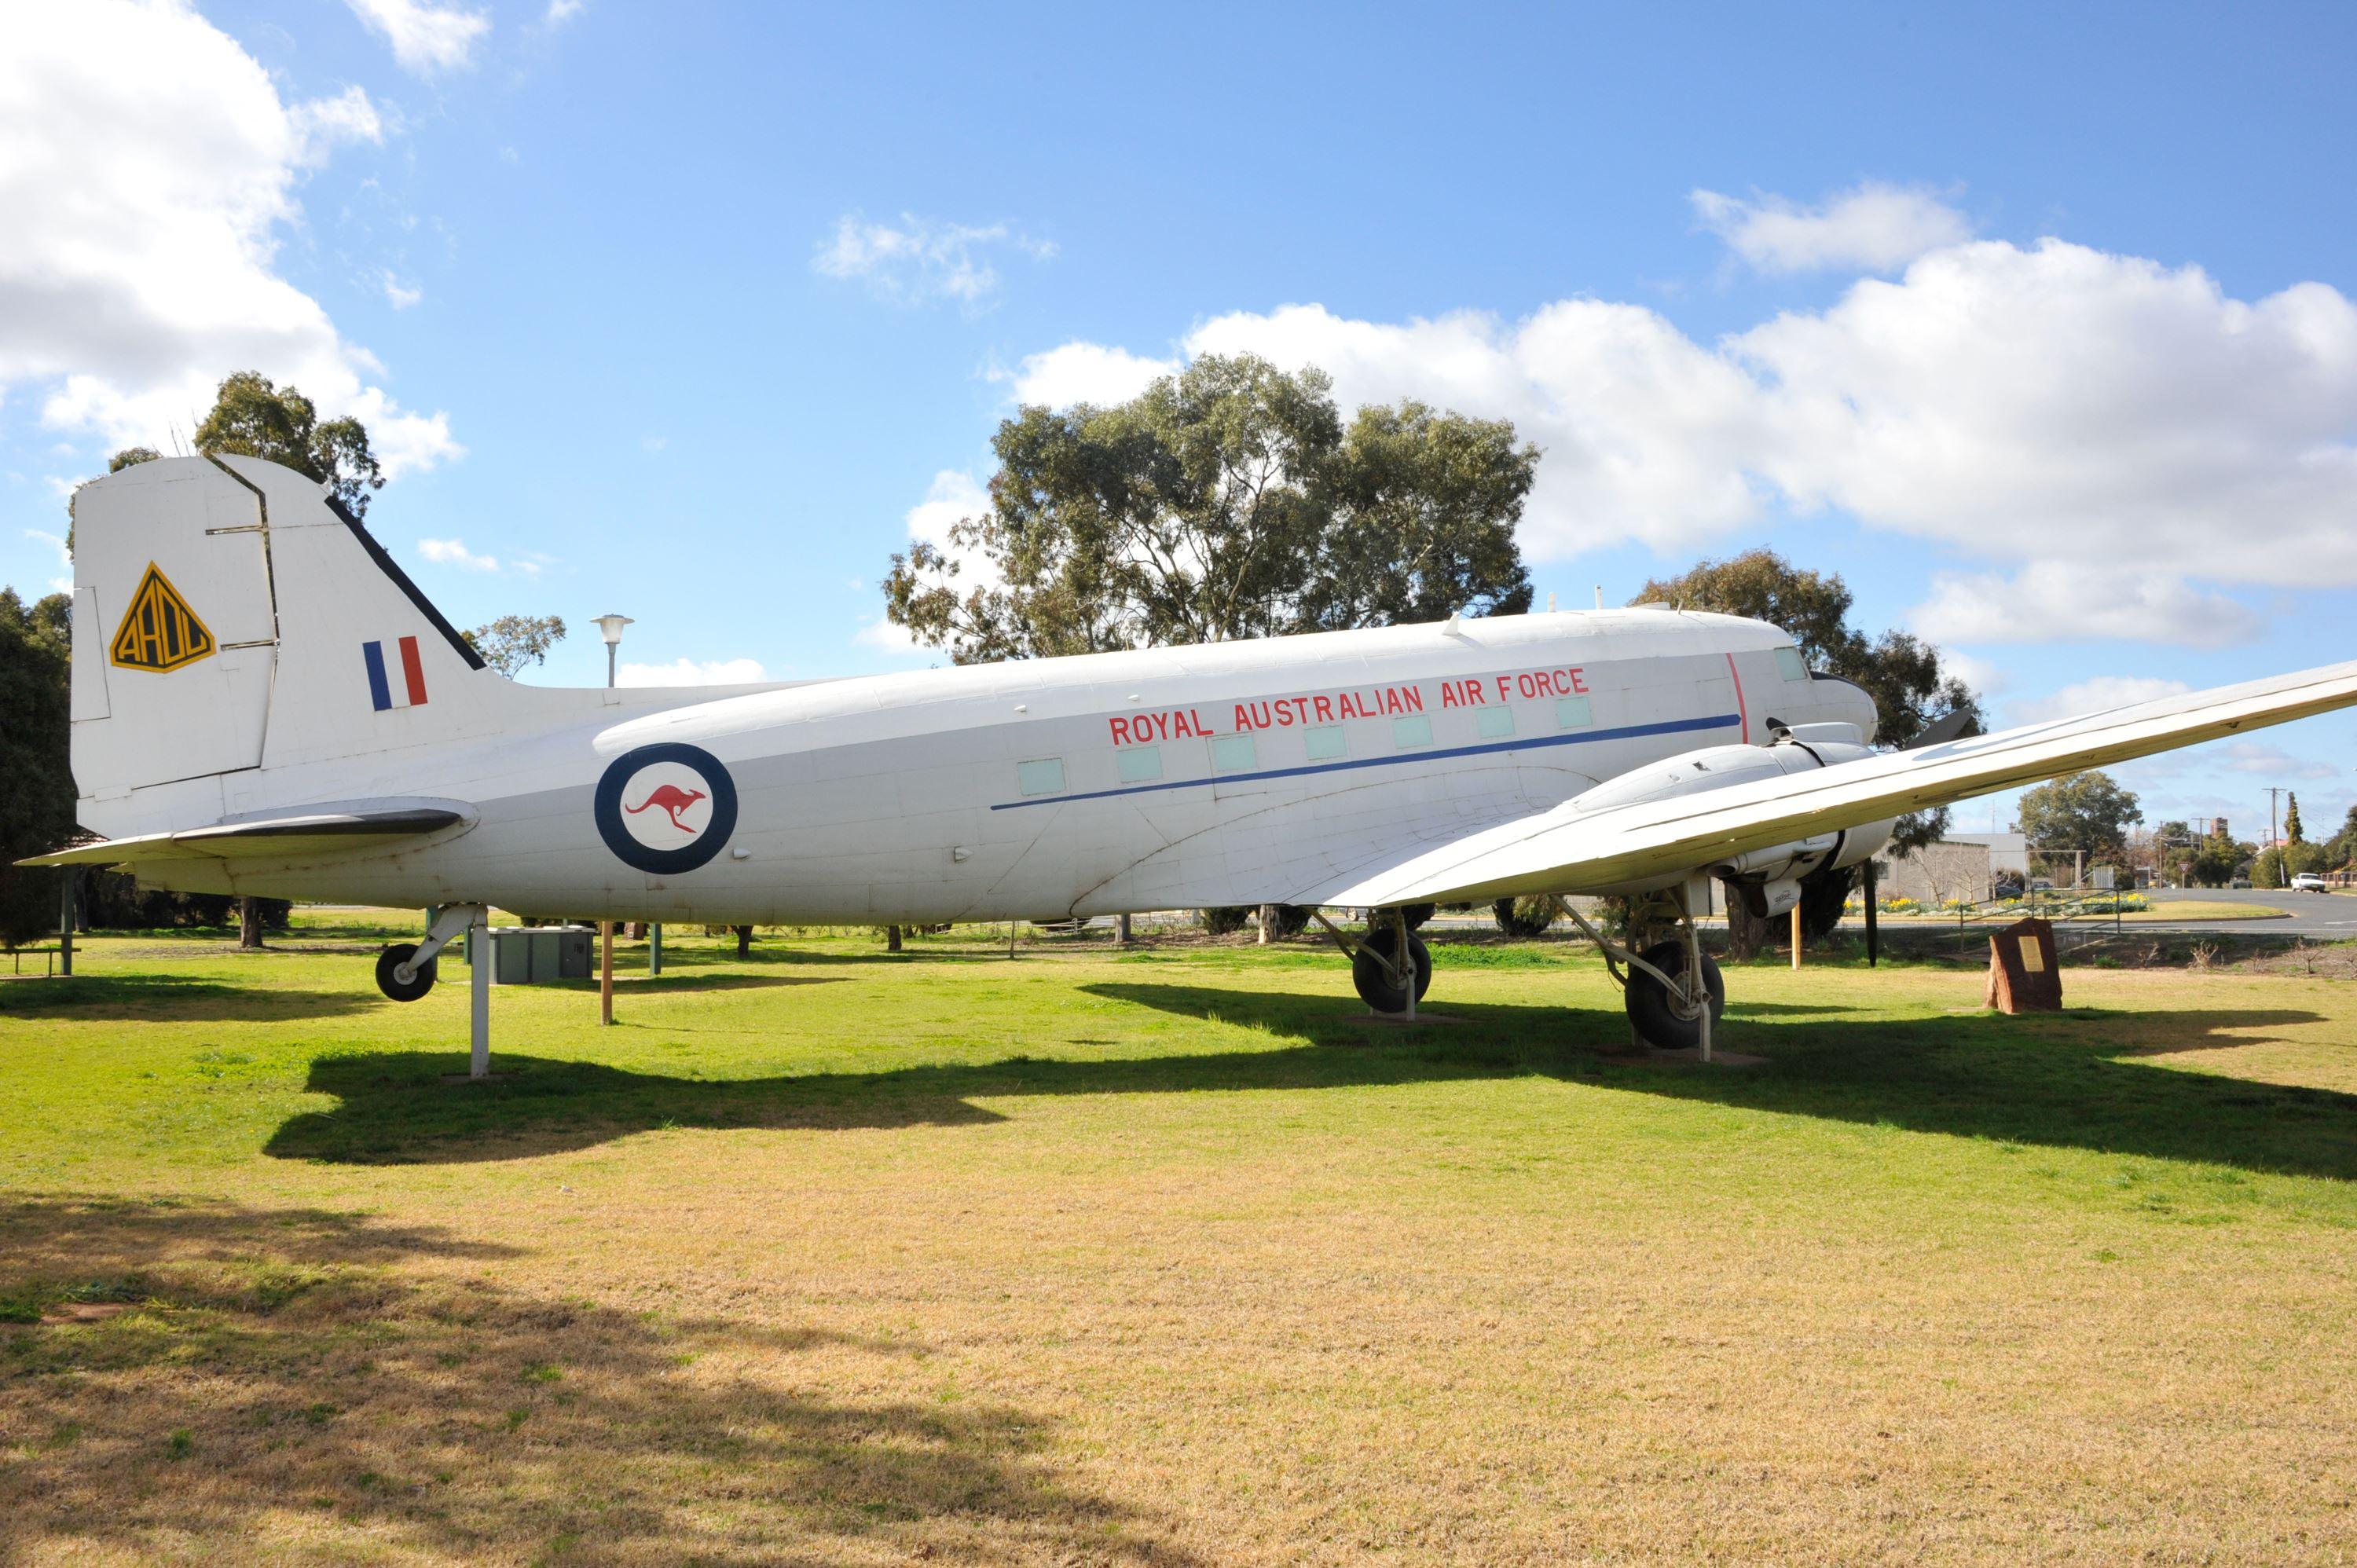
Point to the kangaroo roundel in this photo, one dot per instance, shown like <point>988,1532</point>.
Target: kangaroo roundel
<point>666,809</point>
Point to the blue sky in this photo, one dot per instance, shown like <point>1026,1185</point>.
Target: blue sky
<point>2036,327</point>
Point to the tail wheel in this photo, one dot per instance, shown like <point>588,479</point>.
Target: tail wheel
<point>1663,1018</point>
<point>1377,987</point>
<point>389,981</point>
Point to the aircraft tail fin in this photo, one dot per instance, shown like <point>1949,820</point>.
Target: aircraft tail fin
<point>231,620</point>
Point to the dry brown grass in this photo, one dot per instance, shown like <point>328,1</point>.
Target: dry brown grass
<point>1201,1278</point>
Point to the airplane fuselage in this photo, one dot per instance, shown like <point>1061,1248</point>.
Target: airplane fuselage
<point>1170,778</point>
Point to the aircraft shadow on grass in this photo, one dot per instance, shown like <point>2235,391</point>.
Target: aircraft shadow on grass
<point>331,1362</point>
<point>2066,1081</point>
<point>174,999</point>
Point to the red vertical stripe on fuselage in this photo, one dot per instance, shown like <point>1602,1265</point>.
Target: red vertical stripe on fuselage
<point>412,671</point>
<point>1741,717</point>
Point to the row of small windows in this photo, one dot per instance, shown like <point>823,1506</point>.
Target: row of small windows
<point>1324,742</point>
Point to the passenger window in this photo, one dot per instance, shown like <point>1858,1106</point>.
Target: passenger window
<point>1790,665</point>
<point>1139,763</point>
<point>1232,754</point>
<point>1413,730</point>
<point>1573,713</point>
<point>1044,776</point>
<point>1494,723</point>
<point>1326,742</point>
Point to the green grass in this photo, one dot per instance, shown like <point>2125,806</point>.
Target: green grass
<point>1167,1256</point>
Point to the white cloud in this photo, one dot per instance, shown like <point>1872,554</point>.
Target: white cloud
<point>693,672</point>
<point>2259,756</point>
<point>1085,373</point>
<point>323,124</point>
<point>56,542</point>
<point>888,638</point>
<point>922,258</point>
<point>560,11</point>
<point>151,164</point>
<point>2094,696</point>
<point>953,496</point>
<point>453,552</point>
<point>425,37</point>
<point>397,293</point>
<point>1870,228</point>
<point>2050,602</point>
<point>2053,411</point>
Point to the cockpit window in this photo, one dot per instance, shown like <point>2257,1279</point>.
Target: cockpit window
<point>1790,665</point>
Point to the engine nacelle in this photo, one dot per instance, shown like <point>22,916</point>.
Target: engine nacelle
<point>1767,880</point>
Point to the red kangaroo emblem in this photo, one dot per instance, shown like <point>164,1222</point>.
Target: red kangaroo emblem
<point>673,800</point>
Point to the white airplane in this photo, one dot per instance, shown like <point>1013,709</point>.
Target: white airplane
<point>264,703</point>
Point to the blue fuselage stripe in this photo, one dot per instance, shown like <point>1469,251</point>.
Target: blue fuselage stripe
<point>1582,737</point>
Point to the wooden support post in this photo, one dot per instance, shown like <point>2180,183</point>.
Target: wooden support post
<point>1125,931</point>
<point>604,971</point>
<point>70,874</point>
<point>1796,936</point>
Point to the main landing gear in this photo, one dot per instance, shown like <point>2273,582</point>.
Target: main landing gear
<point>1386,982</point>
<point>1672,990</point>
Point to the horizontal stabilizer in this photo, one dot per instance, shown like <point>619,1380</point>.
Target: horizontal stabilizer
<point>308,835</point>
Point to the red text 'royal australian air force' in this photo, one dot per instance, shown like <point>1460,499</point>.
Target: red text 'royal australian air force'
<point>1359,703</point>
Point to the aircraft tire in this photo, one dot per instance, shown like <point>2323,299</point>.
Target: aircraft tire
<point>1648,1001</point>
<point>391,983</point>
<point>1376,988</point>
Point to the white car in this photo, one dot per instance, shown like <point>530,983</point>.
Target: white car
<point>2309,882</point>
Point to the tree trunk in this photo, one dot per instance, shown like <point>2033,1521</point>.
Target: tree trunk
<point>249,923</point>
<point>891,938</point>
<point>744,941</point>
<point>1747,935</point>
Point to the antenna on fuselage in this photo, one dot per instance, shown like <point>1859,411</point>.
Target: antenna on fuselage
<point>1599,595</point>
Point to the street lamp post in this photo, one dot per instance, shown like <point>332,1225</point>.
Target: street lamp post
<point>609,626</point>
<point>610,629</point>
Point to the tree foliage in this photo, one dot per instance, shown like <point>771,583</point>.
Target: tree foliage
<point>253,417</point>
<point>512,642</point>
<point>37,809</point>
<point>2086,811</point>
<point>2291,818</point>
<point>1228,501</point>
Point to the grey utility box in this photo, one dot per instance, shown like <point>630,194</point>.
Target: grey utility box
<point>534,955</point>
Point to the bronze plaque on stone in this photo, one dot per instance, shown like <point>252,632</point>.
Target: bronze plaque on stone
<point>2023,976</point>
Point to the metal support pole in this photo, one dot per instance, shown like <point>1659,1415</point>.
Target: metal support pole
<point>604,971</point>
<point>66,920</point>
<point>1873,931</point>
<point>479,998</point>
<point>654,949</point>
<point>1796,936</point>
<point>1407,961</point>
<point>1697,988</point>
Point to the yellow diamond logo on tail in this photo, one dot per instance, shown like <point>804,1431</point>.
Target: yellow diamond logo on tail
<point>161,632</point>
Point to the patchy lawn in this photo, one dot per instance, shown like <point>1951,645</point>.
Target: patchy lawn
<point>1167,1258</point>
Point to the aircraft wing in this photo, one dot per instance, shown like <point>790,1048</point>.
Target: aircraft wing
<point>1569,850</point>
<point>293,836</point>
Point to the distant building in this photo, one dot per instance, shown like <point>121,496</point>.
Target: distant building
<point>2007,851</point>
<point>2218,829</point>
<point>1952,870</point>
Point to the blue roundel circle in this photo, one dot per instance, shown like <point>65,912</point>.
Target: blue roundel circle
<point>665,808</point>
